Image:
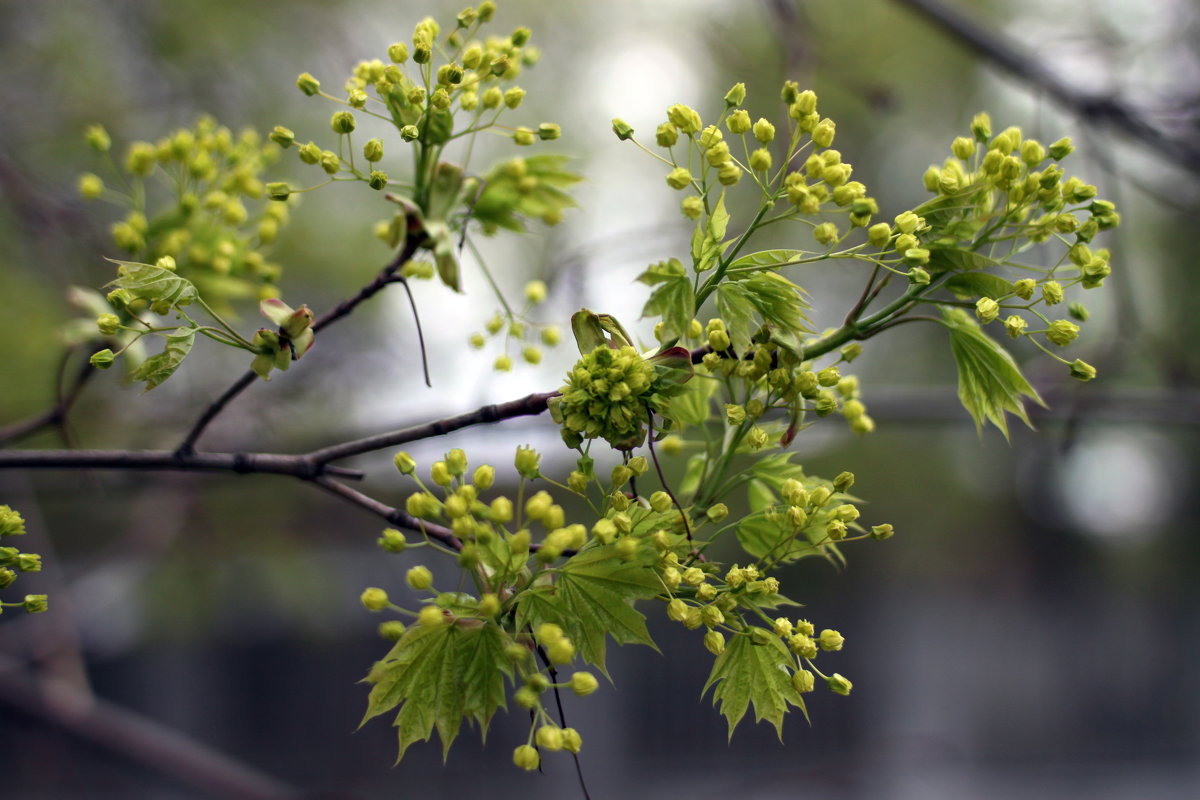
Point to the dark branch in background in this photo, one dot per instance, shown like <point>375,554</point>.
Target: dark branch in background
<point>1024,66</point>
<point>137,738</point>
<point>56,415</point>
<point>385,276</point>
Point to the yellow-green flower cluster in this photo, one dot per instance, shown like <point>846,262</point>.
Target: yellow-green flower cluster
<point>13,561</point>
<point>700,597</point>
<point>219,219</point>
<point>519,335</point>
<point>776,379</point>
<point>609,394</point>
<point>422,98</point>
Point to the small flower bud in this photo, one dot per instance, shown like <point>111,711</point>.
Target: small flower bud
<point>308,84</point>
<point>823,134</point>
<point>826,233</point>
<point>90,186</point>
<point>35,603</point>
<point>1052,292</point>
<point>738,122</point>
<point>666,135</point>
<point>879,234</point>
<point>97,138</point>
<point>374,599</point>
<point>419,577</point>
<point>760,160</point>
<point>803,681</point>
<point>1014,326</point>
<point>660,501</point>
<point>839,684</point>
<point>392,540</point>
<point>686,119</point>
<point>431,617</point>
<point>404,462</point>
<point>881,532</point>
<point>377,180</point>
<point>1061,149</point>
<point>1024,288</point>
<point>1032,152</point>
<point>679,178</point>
<point>760,636</point>
<point>764,131</point>
<point>1082,371</point>
<point>526,757</point>
<point>1062,332</point>
<point>717,512</point>
<point>963,147</point>
<point>102,359</point>
<point>692,207</point>
<point>830,640</point>
<point>987,309</point>
<point>584,683</point>
<point>736,95</point>
<point>391,630</point>
<point>373,150</point>
<point>916,256</point>
<point>526,462</point>
<point>561,652</point>
<point>981,127</point>
<point>714,641</point>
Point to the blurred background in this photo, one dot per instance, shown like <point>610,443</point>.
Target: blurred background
<point>1032,631</point>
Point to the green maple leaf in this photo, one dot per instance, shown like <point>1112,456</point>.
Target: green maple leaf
<point>748,673</point>
<point>989,381</point>
<point>591,598</point>
<point>437,677</point>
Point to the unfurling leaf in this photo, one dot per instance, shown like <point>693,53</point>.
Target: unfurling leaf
<point>157,368</point>
<point>154,284</point>
<point>989,381</point>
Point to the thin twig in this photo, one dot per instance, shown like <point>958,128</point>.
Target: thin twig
<point>331,316</point>
<point>562,717</point>
<point>389,513</point>
<point>662,478</point>
<point>420,334</point>
<point>530,405</point>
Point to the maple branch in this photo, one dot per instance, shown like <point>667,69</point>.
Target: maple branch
<point>342,309</point>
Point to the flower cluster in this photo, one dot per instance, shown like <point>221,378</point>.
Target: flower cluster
<point>1003,191</point>
<point>216,224</point>
<point>609,394</point>
<point>519,332</point>
<point>13,524</point>
<point>429,106</point>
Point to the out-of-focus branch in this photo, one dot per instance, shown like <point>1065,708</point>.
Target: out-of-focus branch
<point>1026,67</point>
<point>56,414</point>
<point>137,738</point>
